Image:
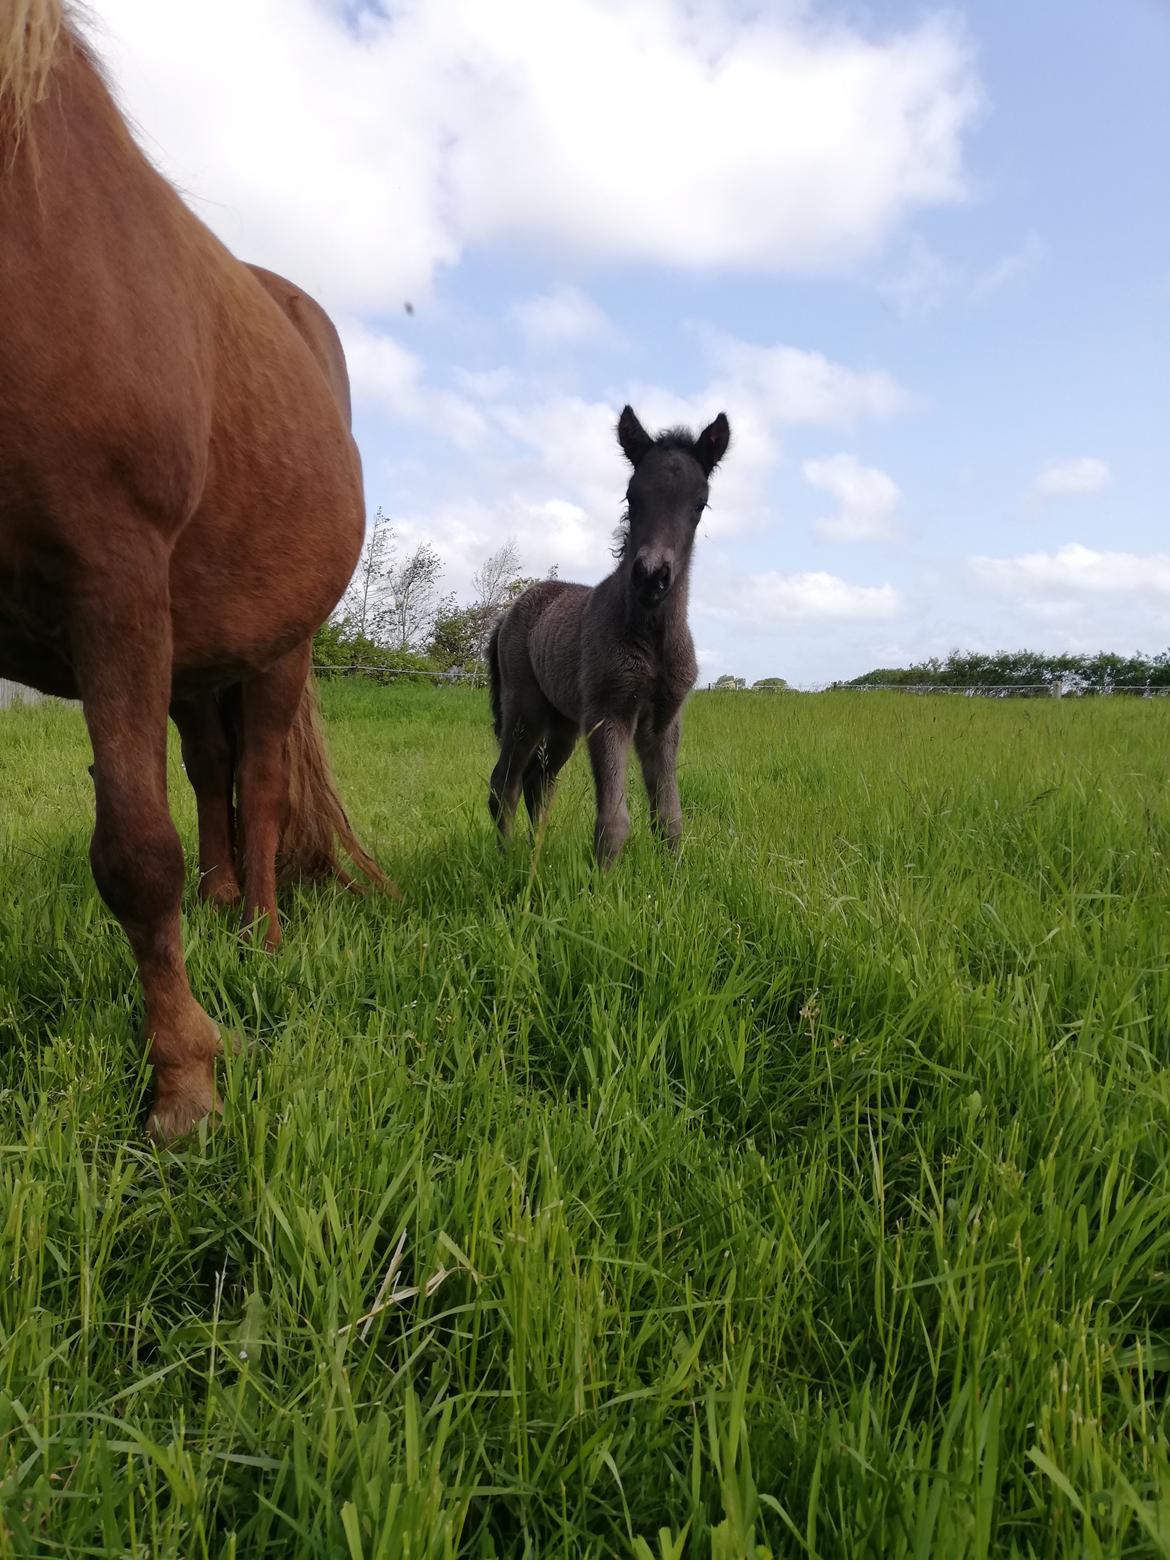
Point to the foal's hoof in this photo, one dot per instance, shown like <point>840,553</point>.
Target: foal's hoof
<point>180,1103</point>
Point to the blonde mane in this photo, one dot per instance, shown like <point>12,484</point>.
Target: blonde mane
<point>29,33</point>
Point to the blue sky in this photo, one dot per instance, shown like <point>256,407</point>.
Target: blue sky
<point>920,257</point>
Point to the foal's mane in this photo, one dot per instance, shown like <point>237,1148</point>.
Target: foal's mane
<point>669,439</point>
<point>30,31</point>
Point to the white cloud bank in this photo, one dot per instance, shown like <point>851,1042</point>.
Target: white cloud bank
<point>361,156</point>
<point>774,600</point>
<point>1076,571</point>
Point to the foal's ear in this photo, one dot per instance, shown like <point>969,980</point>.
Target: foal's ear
<point>711,445</point>
<point>632,437</point>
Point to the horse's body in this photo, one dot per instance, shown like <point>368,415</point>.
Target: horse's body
<point>613,662</point>
<point>180,509</point>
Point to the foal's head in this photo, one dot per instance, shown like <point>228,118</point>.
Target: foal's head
<point>665,498</point>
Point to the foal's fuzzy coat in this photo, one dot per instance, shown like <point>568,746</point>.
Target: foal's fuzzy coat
<point>613,662</point>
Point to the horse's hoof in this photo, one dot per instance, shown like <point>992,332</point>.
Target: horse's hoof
<point>175,1115</point>
<point>223,894</point>
<point>237,1044</point>
<point>262,931</point>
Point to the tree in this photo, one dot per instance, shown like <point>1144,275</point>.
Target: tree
<point>364,601</point>
<point>496,584</point>
<point>770,685</point>
<point>457,635</point>
<point>728,682</point>
<point>492,581</point>
<point>411,607</point>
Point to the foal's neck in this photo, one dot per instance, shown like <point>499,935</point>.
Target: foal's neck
<point>659,625</point>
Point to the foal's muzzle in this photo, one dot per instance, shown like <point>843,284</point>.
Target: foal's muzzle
<point>652,581</point>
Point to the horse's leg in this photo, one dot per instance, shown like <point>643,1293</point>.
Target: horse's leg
<point>269,705</point>
<point>609,748</point>
<point>546,764</point>
<point>522,732</point>
<point>210,762</point>
<point>121,636</point>
<point>658,752</point>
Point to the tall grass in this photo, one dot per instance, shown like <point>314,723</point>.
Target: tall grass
<point>809,1196</point>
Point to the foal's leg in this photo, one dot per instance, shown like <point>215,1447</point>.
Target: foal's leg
<point>658,752</point>
<point>522,734</point>
<point>121,638</point>
<point>609,748</point>
<point>210,762</point>
<point>545,765</point>
<point>269,706</point>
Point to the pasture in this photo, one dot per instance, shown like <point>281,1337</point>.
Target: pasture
<point>809,1195</point>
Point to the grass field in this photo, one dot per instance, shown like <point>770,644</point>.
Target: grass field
<point>808,1196</point>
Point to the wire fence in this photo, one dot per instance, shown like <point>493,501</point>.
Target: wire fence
<point>476,676</point>
<point>12,693</point>
<point>16,693</point>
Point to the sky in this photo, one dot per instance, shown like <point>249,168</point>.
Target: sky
<point>919,256</point>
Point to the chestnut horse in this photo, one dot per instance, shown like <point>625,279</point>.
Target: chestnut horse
<point>180,509</point>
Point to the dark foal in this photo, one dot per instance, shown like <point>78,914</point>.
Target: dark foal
<point>613,662</point>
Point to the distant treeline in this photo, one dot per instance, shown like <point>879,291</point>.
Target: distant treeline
<point>1072,674</point>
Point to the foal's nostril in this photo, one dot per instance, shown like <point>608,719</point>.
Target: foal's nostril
<point>654,582</point>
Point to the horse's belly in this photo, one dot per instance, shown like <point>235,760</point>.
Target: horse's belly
<point>246,591</point>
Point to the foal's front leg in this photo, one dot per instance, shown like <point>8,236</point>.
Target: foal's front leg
<point>609,748</point>
<point>658,752</point>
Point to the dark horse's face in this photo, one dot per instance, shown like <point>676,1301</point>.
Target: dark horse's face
<point>665,498</point>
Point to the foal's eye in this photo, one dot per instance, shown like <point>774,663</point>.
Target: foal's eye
<point>699,508</point>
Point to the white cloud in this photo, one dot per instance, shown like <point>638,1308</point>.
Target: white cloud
<point>799,387</point>
<point>771,600</point>
<point>868,499</point>
<point>1074,571</point>
<point>486,384</point>
<point>1067,478</point>
<point>564,316</point>
<point>386,374</point>
<point>1012,268</point>
<point>922,281</point>
<point>360,156</point>
<point>547,532</point>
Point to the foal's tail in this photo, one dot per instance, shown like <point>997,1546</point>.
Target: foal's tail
<point>316,823</point>
<point>494,675</point>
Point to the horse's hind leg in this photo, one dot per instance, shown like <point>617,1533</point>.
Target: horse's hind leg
<point>269,706</point>
<point>208,753</point>
<point>121,640</point>
<point>545,765</point>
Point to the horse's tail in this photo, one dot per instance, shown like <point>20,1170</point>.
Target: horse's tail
<point>316,823</point>
<point>494,676</point>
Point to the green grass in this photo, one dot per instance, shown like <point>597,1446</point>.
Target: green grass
<point>808,1196</point>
